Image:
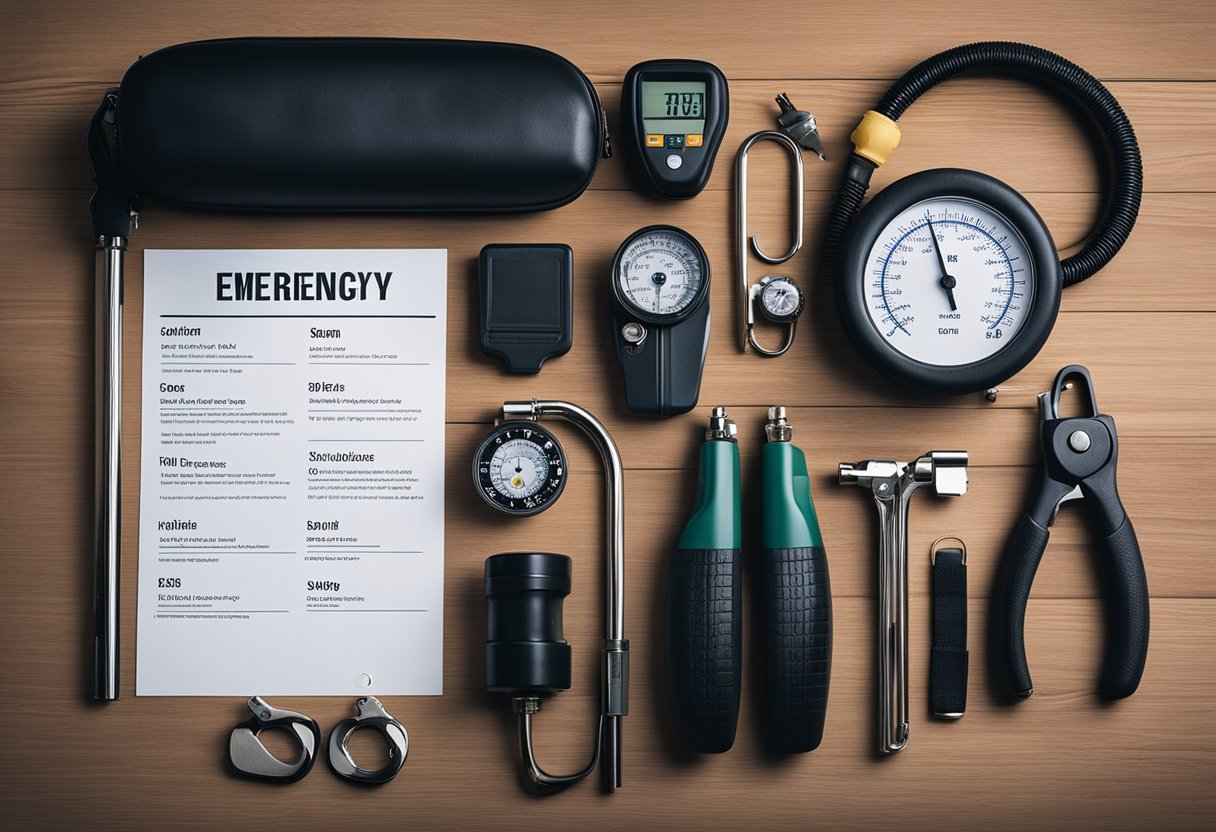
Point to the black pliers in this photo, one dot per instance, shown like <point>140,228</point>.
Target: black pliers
<point>1079,456</point>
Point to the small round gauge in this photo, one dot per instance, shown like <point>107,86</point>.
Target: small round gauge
<point>660,274</point>
<point>949,281</point>
<point>781,300</point>
<point>519,468</point>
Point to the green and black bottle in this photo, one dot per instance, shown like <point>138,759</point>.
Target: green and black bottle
<point>704,600</point>
<point>795,595</point>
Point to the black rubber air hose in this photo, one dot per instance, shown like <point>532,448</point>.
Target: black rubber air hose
<point>1124,171</point>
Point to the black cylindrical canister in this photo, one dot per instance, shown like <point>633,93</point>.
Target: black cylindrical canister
<point>526,652</point>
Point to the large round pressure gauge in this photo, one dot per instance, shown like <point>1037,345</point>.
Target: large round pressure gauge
<point>949,281</point>
<point>519,468</point>
<point>660,274</point>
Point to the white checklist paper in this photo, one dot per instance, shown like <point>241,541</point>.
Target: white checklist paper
<point>292,473</point>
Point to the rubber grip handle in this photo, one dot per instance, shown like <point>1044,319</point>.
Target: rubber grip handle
<point>704,648</point>
<point>1126,590</point>
<point>796,631</point>
<point>1020,561</point>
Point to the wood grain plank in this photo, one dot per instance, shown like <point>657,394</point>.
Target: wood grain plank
<point>1159,270</point>
<point>1008,129</point>
<point>769,40</point>
<point>1059,761</point>
<point>1036,765</point>
<point>51,317</point>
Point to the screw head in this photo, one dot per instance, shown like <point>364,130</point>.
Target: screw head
<point>1079,441</point>
<point>633,333</point>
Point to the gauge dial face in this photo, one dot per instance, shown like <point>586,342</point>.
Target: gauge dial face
<point>660,272</point>
<point>520,468</point>
<point>781,299</point>
<point>949,281</point>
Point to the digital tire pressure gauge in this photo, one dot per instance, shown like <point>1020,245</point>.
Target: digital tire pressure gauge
<point>673,117</point>
<point>660,313</point>
<point>520,468</point>
<point>950,281</point>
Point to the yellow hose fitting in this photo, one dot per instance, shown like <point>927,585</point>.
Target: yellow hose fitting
<point>875,138</point>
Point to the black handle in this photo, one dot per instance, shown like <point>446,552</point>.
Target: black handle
<point>796,621</point>
<point>1126,590</point>
<point>704,603</point>
<point>1023,551</point>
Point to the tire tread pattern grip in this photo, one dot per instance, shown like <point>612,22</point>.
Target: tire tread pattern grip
<point>797,637</point>
<point>704,646</point>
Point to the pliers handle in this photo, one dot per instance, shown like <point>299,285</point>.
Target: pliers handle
<point>1079,459</point>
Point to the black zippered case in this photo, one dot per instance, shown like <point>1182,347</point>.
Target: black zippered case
<point>356,125</point>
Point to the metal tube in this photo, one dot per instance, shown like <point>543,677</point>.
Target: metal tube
<point>108,497</point>
<point>614,672</point>
<point>614,493</point>
<point>893,600</point>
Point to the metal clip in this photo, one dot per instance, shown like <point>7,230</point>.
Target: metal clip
<point>249,757</point>
<point>747,293</point>
<point>369,713</point>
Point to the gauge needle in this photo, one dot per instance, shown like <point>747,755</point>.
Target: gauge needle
<point>518,469</point>
<point>947,281</point>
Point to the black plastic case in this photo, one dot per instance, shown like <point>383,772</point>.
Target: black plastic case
<point>358,124</point>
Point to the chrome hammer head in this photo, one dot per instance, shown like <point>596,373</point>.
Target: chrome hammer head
<point>946,471</point>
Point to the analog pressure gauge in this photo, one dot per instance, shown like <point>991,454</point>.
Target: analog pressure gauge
<point>949,282</point>
<point>520,468</point>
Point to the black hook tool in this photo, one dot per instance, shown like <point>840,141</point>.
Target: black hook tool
<point>1079,456</point>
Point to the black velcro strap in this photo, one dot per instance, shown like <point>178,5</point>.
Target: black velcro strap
<point>948,661</point>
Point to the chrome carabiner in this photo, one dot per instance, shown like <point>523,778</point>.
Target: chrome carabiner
<point>249,757</point>
<point>369,713</point>
<point>747,293</point>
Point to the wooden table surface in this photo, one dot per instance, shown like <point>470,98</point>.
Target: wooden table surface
<point>1143,326</point>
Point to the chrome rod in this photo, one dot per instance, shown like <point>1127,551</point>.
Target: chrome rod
<point>108,497</point>
<point>614,671</point>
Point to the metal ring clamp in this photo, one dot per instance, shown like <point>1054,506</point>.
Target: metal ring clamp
<point>249,757</point>
<point>369,713</point>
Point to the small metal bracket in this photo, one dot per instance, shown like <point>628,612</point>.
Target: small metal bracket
<point>369,713</point>
<point>250,757</point>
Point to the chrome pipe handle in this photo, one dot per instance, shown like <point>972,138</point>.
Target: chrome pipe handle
<point>614,672</point>
<point>108,496</point>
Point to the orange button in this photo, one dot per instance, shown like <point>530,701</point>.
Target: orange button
<point>692,140</point>
<point>654,139</point>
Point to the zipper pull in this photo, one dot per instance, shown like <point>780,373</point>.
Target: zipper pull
<point>607,151</point>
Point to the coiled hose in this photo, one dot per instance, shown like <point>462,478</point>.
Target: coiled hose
<point>1123,168</point>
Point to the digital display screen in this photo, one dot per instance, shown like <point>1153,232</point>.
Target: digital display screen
<point>673,107</point>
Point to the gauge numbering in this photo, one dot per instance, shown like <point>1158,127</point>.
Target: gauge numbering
<point>950,280</point>
<point>659,272</point>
